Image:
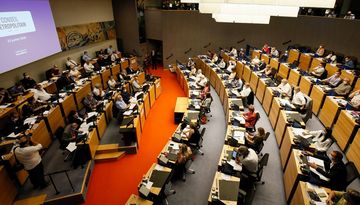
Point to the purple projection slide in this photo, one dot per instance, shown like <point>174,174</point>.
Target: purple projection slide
<point>27,32</point>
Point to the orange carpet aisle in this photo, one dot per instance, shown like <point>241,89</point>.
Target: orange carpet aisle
<point>113,182</point>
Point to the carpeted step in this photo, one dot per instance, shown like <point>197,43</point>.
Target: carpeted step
<point>107,148</point>
<point>108,156</point>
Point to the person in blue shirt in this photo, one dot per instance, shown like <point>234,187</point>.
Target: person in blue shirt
<point>348,63</point>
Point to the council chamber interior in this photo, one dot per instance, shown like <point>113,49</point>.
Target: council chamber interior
<point>179,102</point>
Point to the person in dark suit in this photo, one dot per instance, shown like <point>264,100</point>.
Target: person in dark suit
<point>126,95</point>
<point>64,81</point>
<point>74,117</point>
<point>129,70</point>
<point>336,172</point>
<point>27,81</point>
<point>14,123</point>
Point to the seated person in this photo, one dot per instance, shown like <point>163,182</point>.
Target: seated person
<point>232,74</point>
<point>261,65</point>
<point>188,131</point>
<point>320,51</point>
<point>5,96</point>
<point>274,53</point>
<point>14,123</point>
<point>33,107</point>
<point>318,71</point>
<point>255,61</point>
<point>183,156</point>
<point>236,83</point>
<point>298,101</point>
<point>88,67</point>
<point>202,81</point>
<point>125,94</point>
<point>215,58</point>
<point>348,63</point>
<point>98,92</point>
<point>233,52</point>
<point>350,197</point>
<point>103,61</point>
<point>284,57</point>
<point>269,71</point>
<point>130,70</point>
<point>27,81</point>
<point>136,84</point>
<point>205,91</point>
<point>266,49</point>
<point>354,103</point>
<point>70,63</point>
<point>336,172</point>
<point>254,140</point>
<point>199,75</point>
<point>115,57</point>
<point>112,83</point>
<point>54,72</point>
<point>74,117</point>
<point>90,103</point>
<point>85,57</point>
<point>343,89</point>
<point>242,55</point>
<point>192,71</point>
<point>246,90</point>
<point>250,118</point>
<point>333,80</point>
<point>64,81</point>
<point>70,133</point>
<point>331,58</point>
<point>40,94</point>
<point>248,158</point>
<point>17,90</point>
<point>110,50</point>
<point>74,73</point>
<point>190,63</point>
<point>231,66</point>
<point>284,88</point>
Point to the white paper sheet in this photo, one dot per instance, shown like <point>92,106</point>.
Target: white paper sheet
<point>71,146</point>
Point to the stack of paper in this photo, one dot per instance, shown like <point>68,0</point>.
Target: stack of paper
<point>236,166</point>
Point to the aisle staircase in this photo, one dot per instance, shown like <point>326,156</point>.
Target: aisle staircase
<point>108,152</point>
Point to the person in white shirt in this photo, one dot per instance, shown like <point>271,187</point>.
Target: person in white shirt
<point>190,63</point>
<point>354,103</point>
<point>136,85</point>
<point>109,50</point>
<point>27,153</point>
<point>70,63</point>
<point>274,52</point>
<point>202,82</point>
<point>74,73</point>
<point>112,83</point>
<point>298,100</point>
<point>248,158</point>
<point>245,92</point>
<point>232,74</point>
<point>318,71</point>
<point>89,68</point>
<point>284,88</point>
<point>255,61</point>
<point>40,94</point>
<point>232,65</point>
<point>331,58</point>
<point>114,57</point>
<point>222,64</point>
<point>233,52</point>
<point>98,91</point>
<point>193,71</point>
<point>199,75</point>
<point>215,58</point>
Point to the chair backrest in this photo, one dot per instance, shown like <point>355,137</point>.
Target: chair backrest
<point>308,108</point>
<point>203,132</point>
<point>267,134</point>
<point>262,163</point>
<point>351,172</point>
<point>250,98</point>
<point>257,117</point>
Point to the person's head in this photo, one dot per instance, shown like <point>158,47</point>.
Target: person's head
<point>352,197</point>
<point>193,125</point>
<point>322,65</point>
<point>266,45</point>
<point>119,98</point>
<point>68,58</point>
<point>111,77</point>
<point>321,46</point>
<point>74,126</point>
<point>72,113</point>
<point>347,58</point>
<point>31,100</point>
<point>87,62</point>
<point>251,108</point>
<point>38,86</point>
<point>25,75</point>
<point>85,52</point>
<point>261,131</point>
<point>243,151</point>
<point>338,73</point>
<point>14,116</point>
<point>110,46</point>
<point>183,148</point>
<point>23,141</point>
<point>247,85</point>
<point>89,95</point>
<point>336,156</point>
<point>55,67</point>
<point>98,86</point>
<point>346,81</point>
<point>199,71</point>
<point>18,84</point>
<point>268,67</point>
<point>349,13</point>
<point>284,81</point>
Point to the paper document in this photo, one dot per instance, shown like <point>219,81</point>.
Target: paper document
<point>158,167</point>
<point>236,166</point>
<point>149,184</point>
<point>4,106</point>
<point>132,105</point>
<point>71,147</point>
<point>30,120</point>
<point>320,175</point>
<point>90,114</point>
<point>225,177</point>
<point>317,161</point>
<point>240,119</point>
<point>13,135</point>
<point>127,113</point>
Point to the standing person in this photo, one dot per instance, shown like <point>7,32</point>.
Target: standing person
<point>153,59</point>
<point>27,153</point>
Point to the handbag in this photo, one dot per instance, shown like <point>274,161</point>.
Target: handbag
<point>18,166</point>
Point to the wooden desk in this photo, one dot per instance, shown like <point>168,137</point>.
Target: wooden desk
<point>254,81</point>
<point>305,61</point>
<point>229,133</point>
<point>93,142</point>
<point>283,71</point>
<point>152,95</point>
<point>215,186</point>
<point>136,200</point>
<point>294,77</point>
<point>302,197</point>
<point>260,91</point>
<point>294,55</point>
<point>180,108</point>
<point>222,93</point>
<point>266,58</point>
<point>8,189</point>
<point>292,174</point>
<point>315,62</point>
<point>239,68</point>
<point>95,80</point>
<point>124,64</point>
<point>108,111</point>
<point>274,112</point>
<point>305,85</point>
<point>101,125</point>
<point>115,70</point>
<point>105,76</point>
<point>318,96</point>
<point>19,100</point>
<point>147,104</point>
<point>349,75</point>
<point>224,154</point>
<point>158,88</point>
<point>133,63</point>
<point>247,74</point>
<point>352,153</point>
<point>67,105</point>
<point>256,53</point>
<point>268,97</point>
<point>55,119</point>
<point>50,87</point>
<point>274,63</point>
<point>141,78</point>
<point>330,111</point>
<point>81,94</point>
<point>157,190</point>
<point>283,123</point>
<point>345,129</point>
<point>331,69</point>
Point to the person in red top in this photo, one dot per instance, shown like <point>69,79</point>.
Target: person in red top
<point>250,117</point>
<point>205,91</point>
<point>266,49</point>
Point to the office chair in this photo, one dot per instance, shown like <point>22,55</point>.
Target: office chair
<point>196,144</point>
<point>256,177</point>
<point>308,109</point>
<point>188,170</point>
<point>352,173</point>
<point>63,144</point>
